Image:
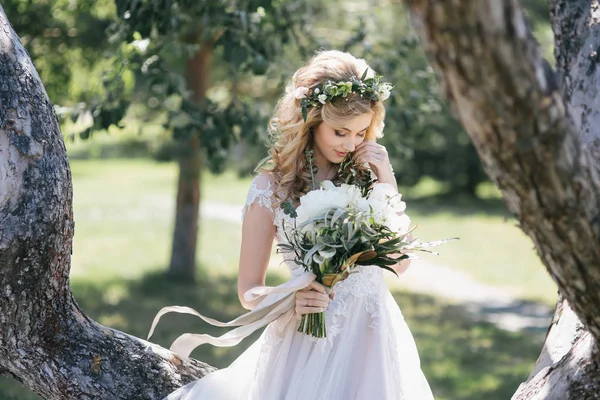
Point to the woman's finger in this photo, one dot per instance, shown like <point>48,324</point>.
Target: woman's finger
<point>317,286</point>
<point>313,295</point>
<point>307,306</point>
<point>371,157</point>
<point>369,144</point>
<point>311,303</point>
<point>308,310</point>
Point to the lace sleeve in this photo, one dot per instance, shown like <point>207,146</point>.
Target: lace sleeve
<point>261,192</point>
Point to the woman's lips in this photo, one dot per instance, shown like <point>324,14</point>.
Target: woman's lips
<point>341,154</point>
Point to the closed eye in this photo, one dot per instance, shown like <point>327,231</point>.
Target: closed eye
<point>360,134</point>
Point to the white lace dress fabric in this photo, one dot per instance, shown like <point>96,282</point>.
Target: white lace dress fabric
<point>369,352</point>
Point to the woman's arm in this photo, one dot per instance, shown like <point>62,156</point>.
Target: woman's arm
<point>402,266</point>
<point>258,233</point>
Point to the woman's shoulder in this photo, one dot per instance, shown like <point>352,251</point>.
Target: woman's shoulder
<point>264,180</point>
<point>262,191</point>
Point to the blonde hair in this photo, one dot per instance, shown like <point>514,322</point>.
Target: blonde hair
<point>291,135</point>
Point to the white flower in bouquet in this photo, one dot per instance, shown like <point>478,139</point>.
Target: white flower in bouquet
<point>383,196</point>
<point>399,223</point>
<point>388,208</point>
<point>316,202</point>
<point>355,199</point>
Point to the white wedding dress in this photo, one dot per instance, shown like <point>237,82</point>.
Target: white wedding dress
<point>368,354</point>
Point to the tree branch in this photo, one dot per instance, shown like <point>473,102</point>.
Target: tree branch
<point>493,73</point>
<point>46,341</point>
<point>576,26</point>
<point>567,360</point>
<point>507,98</point>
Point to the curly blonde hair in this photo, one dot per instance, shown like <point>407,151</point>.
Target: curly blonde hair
<point>291,135</point>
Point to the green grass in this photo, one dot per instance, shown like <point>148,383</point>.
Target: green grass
<point>124,218</point>
<point>124,213</point>
<point>463,360</point>
<point>127,206</point>
<point>490,248</point>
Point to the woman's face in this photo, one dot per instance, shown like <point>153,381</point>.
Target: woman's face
<point>333,144</point>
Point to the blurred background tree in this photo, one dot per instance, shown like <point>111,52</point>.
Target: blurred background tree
<point>195,83</point>
<point>188,63</point>
<point>67,41</point>
<point>422,137</point>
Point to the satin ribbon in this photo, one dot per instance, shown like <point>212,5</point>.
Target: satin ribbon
<point>277,303</point>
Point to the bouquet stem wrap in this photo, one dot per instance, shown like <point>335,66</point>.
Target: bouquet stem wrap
<point>314,324</point>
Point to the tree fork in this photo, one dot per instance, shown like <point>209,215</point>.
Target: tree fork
<point>536,148</point>
<point>46,341</point>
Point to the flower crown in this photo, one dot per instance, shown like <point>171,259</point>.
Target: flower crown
<point>371,88</point>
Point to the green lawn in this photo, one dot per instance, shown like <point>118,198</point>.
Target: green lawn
<point>128,206</point>
<point>124,212</point>
<point>463,360</point>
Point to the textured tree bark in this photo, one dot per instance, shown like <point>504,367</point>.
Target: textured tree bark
<point>568,343</point>
<point>185,235</point>
<point>46,341</point>
<point>539,154</point>
<point>576,26</point>
<point>567,368</point>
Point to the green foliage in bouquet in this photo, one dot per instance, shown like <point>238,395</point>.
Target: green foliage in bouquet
<point>350,222</point>
<point>351,172</point>
<point>342,239</point>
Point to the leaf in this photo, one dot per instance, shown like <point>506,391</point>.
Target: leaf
<point>86,133</point>
<point>350,244</point>
<point>236,54</point>
<point>364,75</point>
<point>391,270</point>
<point>331,279</point>
<point>327,253</point>
<point>308,257</point>
<point>289,209</point>
<point>180,120</point>
<point>410,230</point>
<point>339,213</point>
<point>368,255</point>
<point>318,258</point>
<point>351,260</point>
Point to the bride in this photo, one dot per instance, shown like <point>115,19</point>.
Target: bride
<point>369,352</point>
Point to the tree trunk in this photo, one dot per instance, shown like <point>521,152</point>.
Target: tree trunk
<point>46,341</point>
<point>567,368</point>
<point>185,235</point>
<point>537,153</point>
<point>577,50</point>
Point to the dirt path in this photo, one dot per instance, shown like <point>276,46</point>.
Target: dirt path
<point>482,301</point>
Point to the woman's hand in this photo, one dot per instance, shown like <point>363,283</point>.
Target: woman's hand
<point>402,266</point>
<point>376,155</point>
<point>312,299</point>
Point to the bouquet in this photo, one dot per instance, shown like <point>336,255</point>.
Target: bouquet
<point>338,228</point>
